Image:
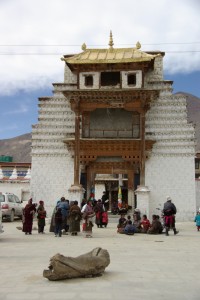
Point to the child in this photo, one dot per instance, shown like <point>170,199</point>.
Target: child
<point>197,220</point>
<point>129,228</point>
<point>121,223</point>
<point>58,222</point>
<point>145,223</point>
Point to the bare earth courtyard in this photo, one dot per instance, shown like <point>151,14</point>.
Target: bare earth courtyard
<point>142,266</point>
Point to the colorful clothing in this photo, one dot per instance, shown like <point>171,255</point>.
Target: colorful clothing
<point>145,223</point>
<point>197,220</point>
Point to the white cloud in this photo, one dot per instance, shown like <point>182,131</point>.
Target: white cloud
<point>61,22</point>
<point>22,109</point>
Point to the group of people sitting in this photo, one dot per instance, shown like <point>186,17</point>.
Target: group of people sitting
<point>139,225</point>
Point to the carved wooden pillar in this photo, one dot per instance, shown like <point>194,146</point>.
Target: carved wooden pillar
<point>142,163</point>
<point>131,188</point>
<point>77,146</point>
<point>89,181</point>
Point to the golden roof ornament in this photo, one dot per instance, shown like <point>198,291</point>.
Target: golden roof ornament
<point>111,41</point>
<point>84,47</point>
<point>138,45</point>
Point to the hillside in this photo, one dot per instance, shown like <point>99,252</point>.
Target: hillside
<point>20,147</point>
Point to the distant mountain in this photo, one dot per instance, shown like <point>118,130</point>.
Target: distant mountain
<point>20,147</point>
<point>193,107</point>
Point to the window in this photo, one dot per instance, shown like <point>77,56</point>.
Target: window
<point>132,79</point>
<point>89,80</point>
<point>11,198</point>
<point>196,164</point>
<point>110,78</point>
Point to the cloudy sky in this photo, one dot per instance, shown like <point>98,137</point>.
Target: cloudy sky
<point>36,33</point>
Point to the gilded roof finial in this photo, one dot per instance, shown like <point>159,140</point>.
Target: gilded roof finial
<point>138,45</point>
<point>83,47</point>
<point>111,41</point>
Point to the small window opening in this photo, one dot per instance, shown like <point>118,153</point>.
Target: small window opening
<point>89,80</point>
<point>110,78</point>
<point>131,79</point>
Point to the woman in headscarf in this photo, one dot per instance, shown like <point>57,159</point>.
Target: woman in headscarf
<point>41,215</point>
<point>88,214</point>
<point>28,214</point>
<point>74,218</point>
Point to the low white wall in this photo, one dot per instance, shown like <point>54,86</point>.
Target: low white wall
<point>20,189</point>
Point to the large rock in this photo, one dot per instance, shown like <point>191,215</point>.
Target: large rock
<point>90,264</point>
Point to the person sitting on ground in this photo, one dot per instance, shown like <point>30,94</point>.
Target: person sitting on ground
<point>121,223</point>
<point>161,226</point>
<point>137,220</point>
<point>145,224</point>
<point>156,226</point>
<point>129,229</point>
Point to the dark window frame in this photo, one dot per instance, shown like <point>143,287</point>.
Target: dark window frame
<point>89,80</point>
<point>132,79</point>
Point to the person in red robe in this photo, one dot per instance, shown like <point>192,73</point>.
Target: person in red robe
<point>28,214</point>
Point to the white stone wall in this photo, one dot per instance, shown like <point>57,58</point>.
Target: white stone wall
<point>20,189</point>
<point>52,172</point>
<point>124,75</point>
<point>197,185</point>
<point>95,76</point>
<point>69,77</point>
<point>157,73</point>
<point>51,179</point>
<point>170,168</point>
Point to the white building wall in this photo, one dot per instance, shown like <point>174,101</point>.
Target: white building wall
<point>197,186</point>
<point>51,179</point>
<point>52,172</point>
<point>170,170</point>
<point>19,188</point>
<point>172,176</point>
<point>96,79</point>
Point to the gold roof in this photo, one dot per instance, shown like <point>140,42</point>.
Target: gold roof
<point>111,55</point>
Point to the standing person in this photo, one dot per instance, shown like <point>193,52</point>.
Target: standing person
<point>169,212</point>
<point>41,215</point>
<point>105,201</point>
<point>27,218</point>
<point>105,218</point>
<point>197,220</point>
<point>74,218</point>
<point>64,209</point>
<point>88,214</point>
<point>52,224</point>
<point>98,209</point>
<point>58,220</point>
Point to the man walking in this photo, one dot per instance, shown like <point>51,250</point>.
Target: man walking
<point>169,212</point>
